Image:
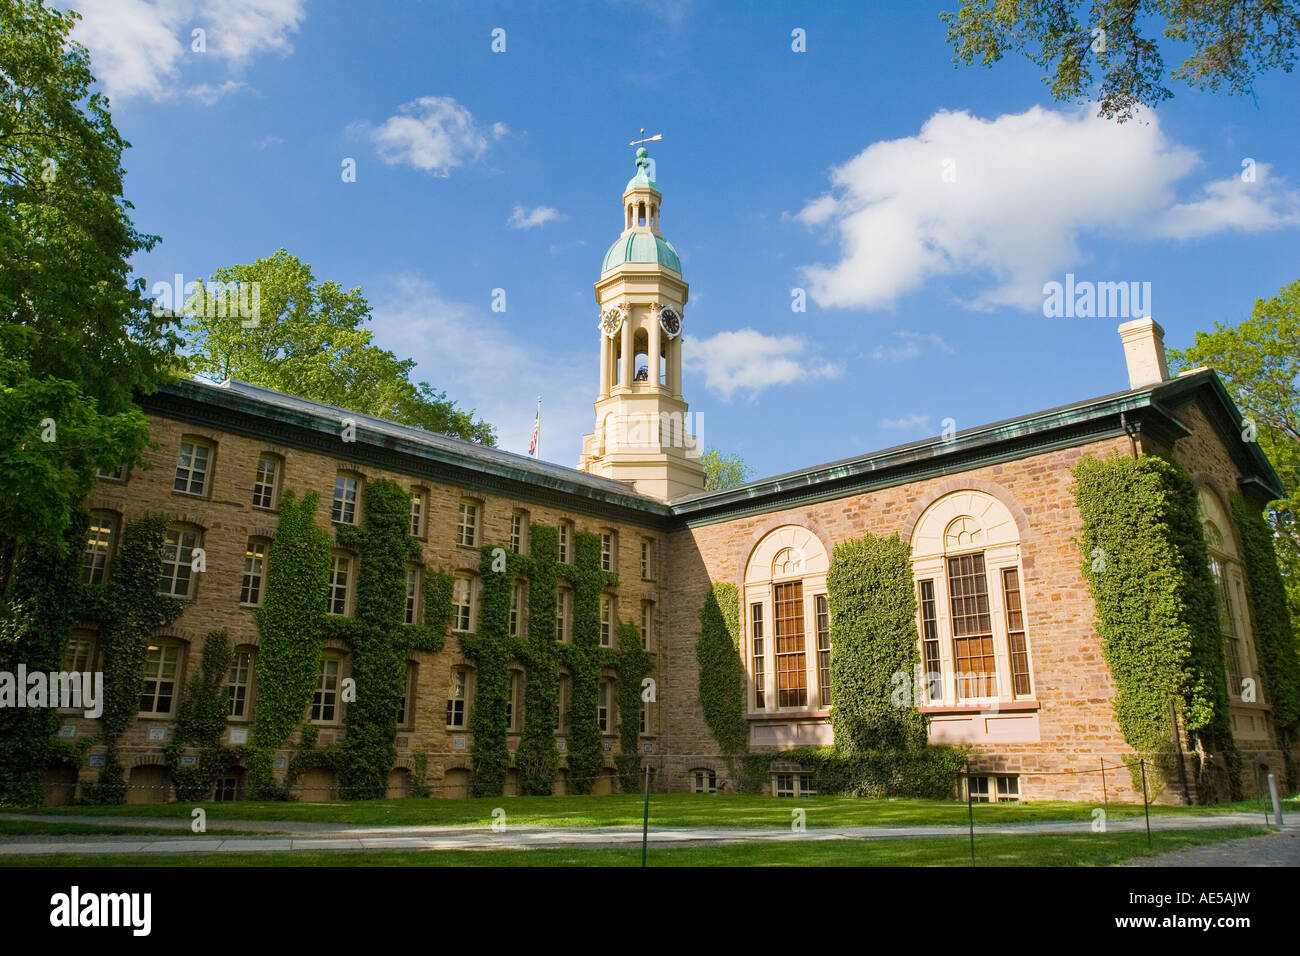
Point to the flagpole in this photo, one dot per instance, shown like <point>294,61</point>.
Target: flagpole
<point>538,455</point>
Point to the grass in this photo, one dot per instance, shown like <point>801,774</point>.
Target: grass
<point>666,810</point>
<point>42,828</point>
<point>1081,849</point>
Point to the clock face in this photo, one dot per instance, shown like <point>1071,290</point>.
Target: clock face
<point>670,320</point>
<point>611,320</point>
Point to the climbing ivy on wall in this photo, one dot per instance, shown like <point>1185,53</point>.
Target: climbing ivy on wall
<point>633,664</point>
<point>200,722</point>
<point>290,621</point>
<point>1275,639</point>
<point>378,637</point>
<point>34,626</point>
<point>538,758</point>
<point>874,647</point>
<point>1147,567</point>
<point>129,610</point>
<point>721,672</point>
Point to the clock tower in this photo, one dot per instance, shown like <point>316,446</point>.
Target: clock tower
<point>645,434</point>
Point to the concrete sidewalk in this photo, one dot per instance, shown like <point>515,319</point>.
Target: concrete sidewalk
<point>293,837</point>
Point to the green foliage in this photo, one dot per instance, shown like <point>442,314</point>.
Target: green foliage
<point>200,722</point>
<point>723,471</point>
<point>132,612</point>
<point>420,774</point>
<point>1259,361</point>
<point>1226,45</point>
<point>632,663</point>
<point>291,624</point>
<point>312,340</point>
<point>34,625</point>
<point>1275,639</point>
<point>1147,567</point>
<point>77,338</point>
<point>928,772</point>
<point>584,659</point>
<point>537,757</point>
<point>873,636</point>
<point>722,674</point>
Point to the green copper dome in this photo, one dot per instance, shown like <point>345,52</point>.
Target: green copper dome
<point>641,247</point>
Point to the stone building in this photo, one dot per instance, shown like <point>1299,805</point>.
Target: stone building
<point>1004,613</point>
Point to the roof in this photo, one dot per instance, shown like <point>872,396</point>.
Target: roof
<point>641,247</point>
<point>252,409</point>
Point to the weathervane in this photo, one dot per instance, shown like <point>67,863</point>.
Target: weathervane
<point>647,139</point>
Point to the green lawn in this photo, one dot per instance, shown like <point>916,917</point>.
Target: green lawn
<point>1081,849</point>
<point>666,810</point>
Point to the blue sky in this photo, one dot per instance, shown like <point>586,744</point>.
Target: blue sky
<point>920,207</point>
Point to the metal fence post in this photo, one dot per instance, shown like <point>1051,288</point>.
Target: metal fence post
<point>645,820</point>
<point>1277,803</point>
<point>1146,803</point>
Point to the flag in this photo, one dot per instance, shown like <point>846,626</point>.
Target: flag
<point>537,429</point>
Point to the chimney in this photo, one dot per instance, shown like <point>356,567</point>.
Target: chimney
<point>1144,350</point>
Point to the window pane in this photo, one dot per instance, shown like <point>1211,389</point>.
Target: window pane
<point>791,673</point>
<point>1016,645</point>
<point>971,627</point>
<point>756,654</point>
<point>824,649</point>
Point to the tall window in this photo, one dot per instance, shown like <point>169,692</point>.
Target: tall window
<point>562,704</point>
<point>412,595</point>
<point>1015,632</point>
<point>930,642</point>
<point>606,620</point>
<point>607,548</point>
<point>467,524</point>
<point>757,653</point>
<point>406,706</point>
<point>647,616</point>
<point>604,706</point>
<point>193,464</point>
<point>340,572</point>
<point>344,508</point>
<point>161,678</point>
<point>563,613</point>
<point>251,585</point>
<point>456,696</point>
<point>971,610</point>
<point>99,547</point>
<point>417,512</point>
<point>325,699</point>
<point>972,627</point>
<point>79,655</point>
<point>462,607</point>
<point>786,621</point>
<point>264,481</point>
<point>177,577</point>
<point>515,702</point>
<point>1234,614</point>
<point>519,532</point>
<point>566,542</point>
<point>518,610</point>
<point>823,648</point>
<point>647,559</point>
<point>239,683</point>
<point>791,666</point>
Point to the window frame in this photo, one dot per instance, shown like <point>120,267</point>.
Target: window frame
<point>336,556</point>
<point>273,495</point>
<point>252,555</point>
<point>205,485</point>
<point>468,533</point>
<point>250,673</point>
<point>338,506</point>
<point>164,645</point>
<point>318,699</point>
<point>89,565</point>
<point>191,576</point>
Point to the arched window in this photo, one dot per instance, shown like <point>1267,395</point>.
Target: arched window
<point>785,616</point>
<point>966,562</point>
<point>239,682</point>
<point>101,537</point>
<point>1234,614</point>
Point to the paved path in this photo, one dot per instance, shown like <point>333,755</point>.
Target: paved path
<point>1275,849</point>
<point>292,836</point>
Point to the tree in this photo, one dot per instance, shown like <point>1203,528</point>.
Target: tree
<point>77,336</point>
<point>1260,364</point>
<point>309,338</point>
<point>723,471</point>
<point>1230,43</point>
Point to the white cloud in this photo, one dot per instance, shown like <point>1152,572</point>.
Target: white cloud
<point>434,133</point>
<point>207,93</point>
<point>487,371</point>
<point>906,423</point>
<point>523,218</point>
<point>140,47</point>
<point>749,361</point>
<point>1024,190</point>
<point>909,347</point>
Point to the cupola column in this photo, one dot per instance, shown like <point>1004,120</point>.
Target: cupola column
<point>653,378</point>
<point>625,361</point>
